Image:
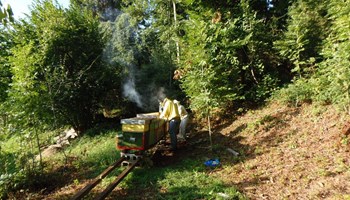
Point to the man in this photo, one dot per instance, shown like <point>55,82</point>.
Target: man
<point>171,114</point>
<point>184,119</point>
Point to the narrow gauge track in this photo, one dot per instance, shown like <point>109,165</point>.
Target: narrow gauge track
<point>99,178</point>
<point>138,134</point>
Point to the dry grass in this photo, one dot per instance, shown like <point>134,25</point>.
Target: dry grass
<point>285,153</point>
<point>289,153</point>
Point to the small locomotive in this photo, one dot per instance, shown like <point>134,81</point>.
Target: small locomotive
<point>139,134</point>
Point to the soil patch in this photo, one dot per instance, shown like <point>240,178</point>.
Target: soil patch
<point>284,153</point>
<point>291,153</point>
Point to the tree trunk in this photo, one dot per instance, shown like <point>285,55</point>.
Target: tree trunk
<point>210,133</point>
<point>176,39</point>
<point>38,145</point>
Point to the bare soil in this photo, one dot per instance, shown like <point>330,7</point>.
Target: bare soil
<point>284,153</point>
<point>289,153</point>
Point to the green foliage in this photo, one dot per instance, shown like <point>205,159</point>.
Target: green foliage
<point>5,74</point>
<point>228,57</point>
<point>6,171</point>
<point>155,81</point>
<point>21,167</point>
<point>330,82</point>
<point>121,52</point>
<point>105,10</point>
<point>6,14</point>
<point>144,53</point>
<point>123,42</point>
<point>302,42</point>
<point>58,79</point>
<point>333,79</point>
<point>59,75</point>
<point>298,92</point>
<point>199,79</point>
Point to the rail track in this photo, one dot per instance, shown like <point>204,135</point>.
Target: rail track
<point>124,159</point>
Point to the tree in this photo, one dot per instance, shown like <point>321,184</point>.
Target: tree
<point>6,14</point>
<point>143,53</point>
<point>202,81</point>
<point>122,50</point>
<point>302,42</point>
<point>332,80</point>
<point>237,47</point>
<point>59,74</point>
<point>5,74</point>
<point>106,10</point>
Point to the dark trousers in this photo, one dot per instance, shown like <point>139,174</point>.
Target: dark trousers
<point>173,131</point>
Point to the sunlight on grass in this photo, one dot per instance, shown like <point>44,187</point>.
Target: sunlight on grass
<point>93,153</point>
<point>194,185</point>
<point>11,145</point>
<point>186,180</point>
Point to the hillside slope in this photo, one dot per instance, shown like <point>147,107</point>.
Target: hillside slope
<point>285,153</point>
<point>289,153</point>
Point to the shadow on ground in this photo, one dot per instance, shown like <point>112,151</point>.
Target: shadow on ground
<point>150,182</point>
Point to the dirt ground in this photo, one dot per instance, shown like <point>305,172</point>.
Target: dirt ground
<point>284,153</point>
<point>288,153</point>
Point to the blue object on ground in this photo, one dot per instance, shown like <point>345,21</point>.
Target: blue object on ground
<point>212,162</point>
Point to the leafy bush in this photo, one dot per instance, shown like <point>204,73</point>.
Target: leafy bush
<point>14,173</point>
<point>298,92</point>
<point>59,75</point>
<point>330,83</point>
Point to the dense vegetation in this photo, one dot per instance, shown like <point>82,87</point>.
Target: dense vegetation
<point>101,59</point>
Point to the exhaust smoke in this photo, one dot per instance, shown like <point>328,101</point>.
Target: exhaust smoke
<point>130,92</point>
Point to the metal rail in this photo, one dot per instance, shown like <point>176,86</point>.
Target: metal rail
<point>111,186</point>
<point>98,179</point>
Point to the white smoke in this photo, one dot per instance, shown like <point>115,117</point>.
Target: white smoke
<point>130,92</point>
<point>151,96</point>
<point>120,51</point>
<point>110,14</point>
<point>161,94</point>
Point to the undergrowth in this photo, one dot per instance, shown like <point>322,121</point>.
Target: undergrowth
<point>90,154</point>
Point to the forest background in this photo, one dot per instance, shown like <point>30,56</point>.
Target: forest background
<point>103,60</point>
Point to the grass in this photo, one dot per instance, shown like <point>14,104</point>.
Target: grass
<point>280,148</point>
<point>186,180</point>
<point>19,168</point>
<point>93,153</point>
<point>89,155</point>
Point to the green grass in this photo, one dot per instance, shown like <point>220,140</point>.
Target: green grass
<point>185,180</point>
<point>92,153</point>
<point>185,184</point>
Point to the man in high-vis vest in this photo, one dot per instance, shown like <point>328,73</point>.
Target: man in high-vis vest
<point>171,114</point>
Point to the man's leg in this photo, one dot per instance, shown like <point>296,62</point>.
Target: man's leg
<point>183,125</point>
<point>173,130</point>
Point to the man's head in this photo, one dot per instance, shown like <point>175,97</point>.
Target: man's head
<point>165,100</point>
